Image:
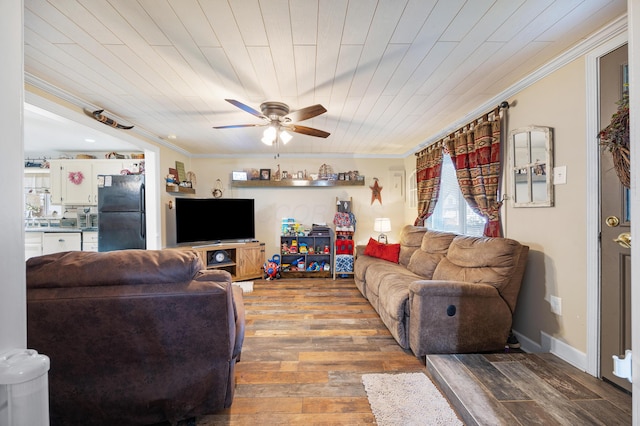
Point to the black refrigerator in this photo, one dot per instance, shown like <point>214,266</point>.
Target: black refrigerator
<point>121,212</point>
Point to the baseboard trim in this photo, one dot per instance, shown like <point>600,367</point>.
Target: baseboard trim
<point>555,346</point>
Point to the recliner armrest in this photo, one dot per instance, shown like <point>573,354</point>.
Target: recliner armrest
<point>456,317</point>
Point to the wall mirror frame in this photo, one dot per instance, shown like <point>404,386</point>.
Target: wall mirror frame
<point>531,166</point>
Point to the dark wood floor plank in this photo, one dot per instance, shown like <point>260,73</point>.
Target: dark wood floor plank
<point>497,384</point>
<point>469,397</point>
<point>620,399</point>
<point>552,401</point>
<point>605,412</point>
<point>557,378</point>
<point>530,413</point>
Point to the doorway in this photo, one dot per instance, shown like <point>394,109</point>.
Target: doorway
<point>615,220</point>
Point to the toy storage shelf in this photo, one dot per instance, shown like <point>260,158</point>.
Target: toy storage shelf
<point>293,183</point>
<point>316,242</point>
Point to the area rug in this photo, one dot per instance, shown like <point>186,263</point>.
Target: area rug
<point>246,286</point>
<point>407,399</point>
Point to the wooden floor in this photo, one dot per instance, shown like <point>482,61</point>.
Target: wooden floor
<point>519,388</point>
<point>307,344</point>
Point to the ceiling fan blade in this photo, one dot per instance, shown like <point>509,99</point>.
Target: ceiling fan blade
<point>235,126</point>
<point>306,113</point>
<point>307,130</point>
<point>246,108</point>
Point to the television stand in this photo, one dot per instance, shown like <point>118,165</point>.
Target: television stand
<point>243,260</point>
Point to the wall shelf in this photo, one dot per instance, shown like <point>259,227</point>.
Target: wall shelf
<point>294,183</point>
<point>174,189</point>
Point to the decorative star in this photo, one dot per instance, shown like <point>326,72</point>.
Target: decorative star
<point>376,191</point>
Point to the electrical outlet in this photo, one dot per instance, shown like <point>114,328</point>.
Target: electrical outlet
<point>556,304</point>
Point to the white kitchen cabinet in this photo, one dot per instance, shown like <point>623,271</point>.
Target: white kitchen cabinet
<point>54,242</point>
<point>89,241</point>
<point>75,182</point>
<point>32,244</point>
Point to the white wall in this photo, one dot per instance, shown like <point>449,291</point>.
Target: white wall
<point>12,286</point>
<point>556,235</point>
<point>310,205</point>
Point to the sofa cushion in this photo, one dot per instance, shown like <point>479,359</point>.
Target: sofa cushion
<point>433,248</point>
<point>479,260</point>
<point>379,272</point>
<point>130,267</point>
<point>410,240</point>
<point>389,252</point>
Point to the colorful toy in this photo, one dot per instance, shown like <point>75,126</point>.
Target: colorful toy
<point>313,266</point>
<point>272,268</point>
<point>294,246</point>
<point>303,248</point>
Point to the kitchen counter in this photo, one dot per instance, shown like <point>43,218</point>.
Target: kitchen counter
<point>57,229</point>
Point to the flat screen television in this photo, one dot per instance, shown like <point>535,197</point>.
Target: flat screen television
<point>214,220</point>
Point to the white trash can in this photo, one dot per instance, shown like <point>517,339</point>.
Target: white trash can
<point>24,388</point>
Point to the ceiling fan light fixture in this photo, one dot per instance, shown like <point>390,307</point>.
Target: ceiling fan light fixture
<point>269,135</point>
<point>285,136</point>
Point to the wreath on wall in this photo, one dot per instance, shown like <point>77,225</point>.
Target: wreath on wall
<point>76,177</point>
<point>615,138</point>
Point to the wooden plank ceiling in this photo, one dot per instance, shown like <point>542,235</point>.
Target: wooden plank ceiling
<point>391,73</point>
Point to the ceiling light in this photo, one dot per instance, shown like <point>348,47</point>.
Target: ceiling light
<point>285,137</point>
<point>269,135</point>
<point>265,140</point>
<point>90,140</point>
<point>172,136</point>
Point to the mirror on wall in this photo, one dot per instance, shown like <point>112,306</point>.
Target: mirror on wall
<point>531,161</point>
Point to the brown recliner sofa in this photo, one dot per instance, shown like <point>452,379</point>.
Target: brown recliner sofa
<point>448,293</point>
<point>135,337</point>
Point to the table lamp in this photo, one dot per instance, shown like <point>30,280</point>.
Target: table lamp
<point>382,225</point>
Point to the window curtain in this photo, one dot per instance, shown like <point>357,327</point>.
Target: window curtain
<point>428,172</point>
<point>476,157</point>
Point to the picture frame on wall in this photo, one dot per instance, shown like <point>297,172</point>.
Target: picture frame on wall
<point>239,175</point>
<point>265,174</point>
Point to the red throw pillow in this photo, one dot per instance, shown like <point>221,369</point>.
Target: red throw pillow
<point>390,252</point>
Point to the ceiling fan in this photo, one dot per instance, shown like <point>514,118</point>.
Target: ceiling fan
<point>279,118</point>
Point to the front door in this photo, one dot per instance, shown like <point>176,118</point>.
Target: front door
<point>615,287</point>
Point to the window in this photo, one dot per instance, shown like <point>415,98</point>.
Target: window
<point>452,213</point>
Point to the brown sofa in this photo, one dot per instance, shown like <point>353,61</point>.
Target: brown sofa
<point>448,294</point>
<point>135,337</point>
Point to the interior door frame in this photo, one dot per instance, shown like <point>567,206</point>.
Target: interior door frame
<point>151,156</point>
<point>592,63</point>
